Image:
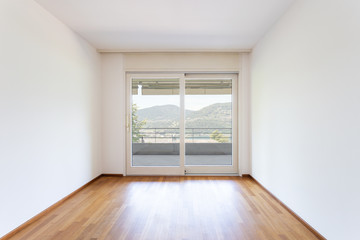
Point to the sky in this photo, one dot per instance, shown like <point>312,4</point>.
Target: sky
<point>192,102</point>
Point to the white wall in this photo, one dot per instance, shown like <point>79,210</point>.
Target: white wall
<point>49,112</point>
<point>306,114</point>
<point>114,66</point>
<point>244,115</point>
<point>182,61</point>
<point>114,113</point>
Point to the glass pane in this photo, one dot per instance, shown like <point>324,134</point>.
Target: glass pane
<point>155,122</point>
<point>208,122</point>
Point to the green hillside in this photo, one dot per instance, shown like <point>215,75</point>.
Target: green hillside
<point>167,116</point>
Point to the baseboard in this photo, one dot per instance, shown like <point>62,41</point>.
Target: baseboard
<point>41,214</point>
<point>111,175</point>
<point>308,226</point>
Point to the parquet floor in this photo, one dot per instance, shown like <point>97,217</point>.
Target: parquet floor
<point>168,208</point>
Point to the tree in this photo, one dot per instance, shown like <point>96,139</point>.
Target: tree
<point>136,125</point>
<point>219,137</point>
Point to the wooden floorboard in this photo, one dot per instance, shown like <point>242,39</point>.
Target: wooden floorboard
<point>168,208</point>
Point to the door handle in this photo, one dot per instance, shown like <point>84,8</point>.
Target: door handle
<point>128,123</point>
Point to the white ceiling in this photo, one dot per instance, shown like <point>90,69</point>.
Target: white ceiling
<point>169,24</point>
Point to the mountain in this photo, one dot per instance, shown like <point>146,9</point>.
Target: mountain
<point>158,113</point>
<point>165,116</point>
<point>217,115</point>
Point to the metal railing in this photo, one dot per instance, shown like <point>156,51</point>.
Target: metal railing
<point>172,135</point>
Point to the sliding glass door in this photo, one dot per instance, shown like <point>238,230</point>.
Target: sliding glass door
<point>154,120</point>
<point>181,124</point>
<point>210,123</point>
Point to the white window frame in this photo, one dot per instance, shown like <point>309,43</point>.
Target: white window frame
<point>183,169</point>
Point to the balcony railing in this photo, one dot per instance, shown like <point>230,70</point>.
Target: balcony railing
<point>195,135</point>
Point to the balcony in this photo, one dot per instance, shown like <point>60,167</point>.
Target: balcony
<point>203,146</point>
